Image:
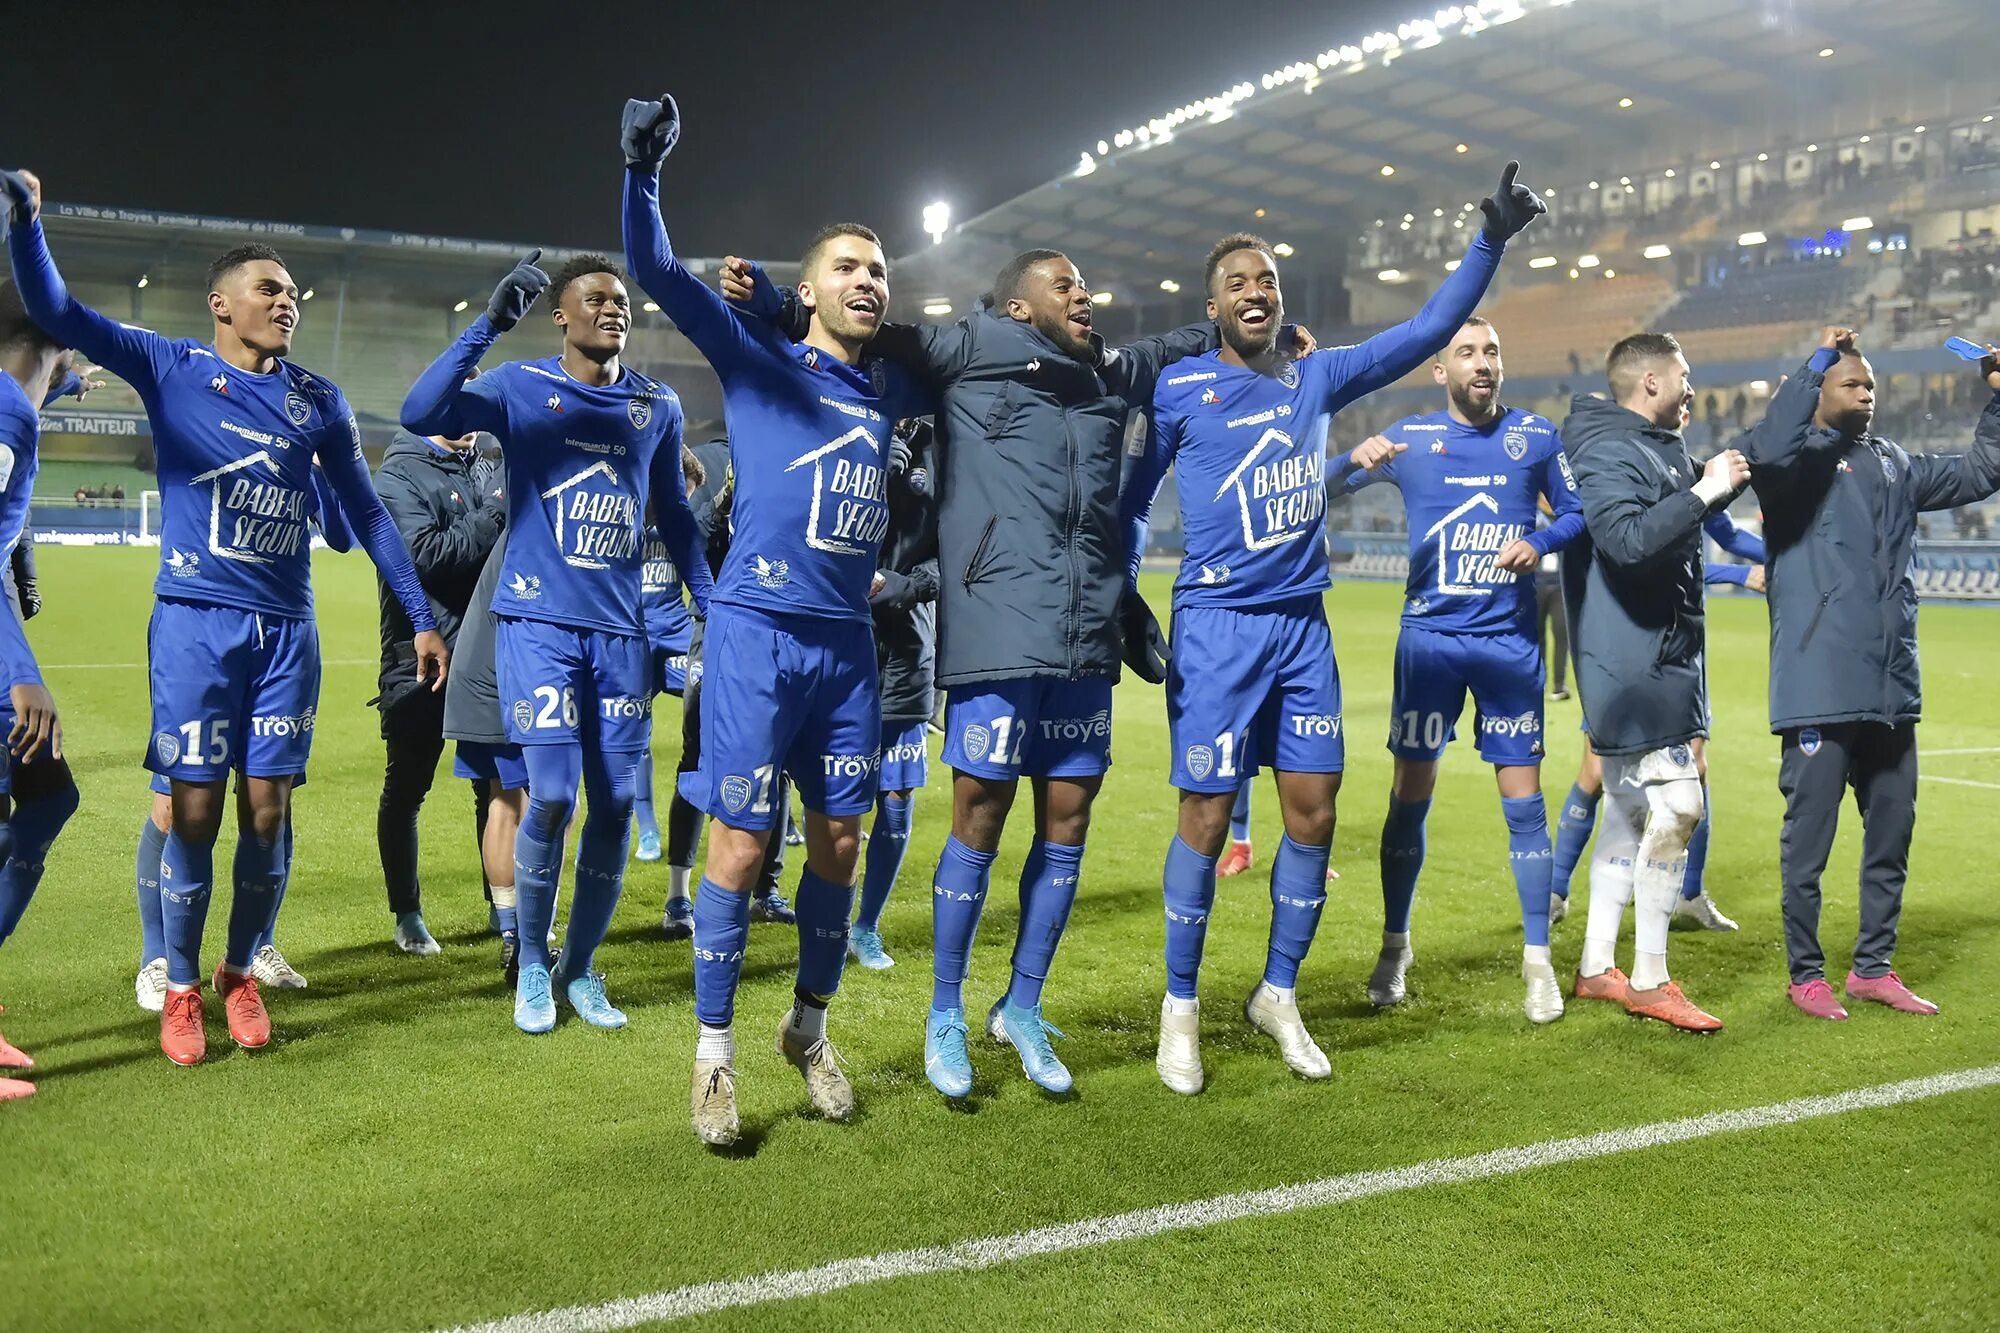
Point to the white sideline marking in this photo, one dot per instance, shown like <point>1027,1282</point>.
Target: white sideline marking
<point>1960,782</point>
<point>991,1251</point>
<point>1977,749</point>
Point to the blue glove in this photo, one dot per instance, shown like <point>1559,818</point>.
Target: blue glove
<point>17,199</point>
<point>516,292</point>
<point>649,131</point>
<point>1511,207</point>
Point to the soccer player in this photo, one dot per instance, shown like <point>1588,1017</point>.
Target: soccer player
<point>37,793</point>
<point>669,634</point>
<point>267,964</point>
<point>1633,588</point>
<point>585,439</point>
<point>233,650</point>
<point>1695,910</point>
<point>904,600</point>
<point>1253,681</point>
<point>1471,477</point>
<point>809,434</point>
<point>1840,514</point>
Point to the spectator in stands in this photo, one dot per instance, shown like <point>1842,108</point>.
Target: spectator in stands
<point>1841,507</point>
<point>82,496</point>
<point>450,512</point>
<point>118,493</point>
<point>1739,409</point>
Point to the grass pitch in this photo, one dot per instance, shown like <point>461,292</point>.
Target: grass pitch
<point>401,1158</point>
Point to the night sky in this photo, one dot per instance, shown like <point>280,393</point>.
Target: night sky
<point>459,121</point>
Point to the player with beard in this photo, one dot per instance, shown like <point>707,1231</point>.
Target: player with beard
<point>1253,682</point>
<point>790,650</point>
<point>233,652</point>
<point>1470,477</point>
<point>585,441</point>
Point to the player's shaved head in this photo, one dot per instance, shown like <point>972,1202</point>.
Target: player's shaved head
<point>1847,396</point>
<point>238,257</point>
<point>1007,283</point>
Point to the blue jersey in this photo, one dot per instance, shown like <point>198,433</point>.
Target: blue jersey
<point>1249,451</point>
<point>807,434</point>
<point>581,460</point>
<point>235,451</point>
<point>668,624</point>
<point>1469,492</point>
<point>20,439</point>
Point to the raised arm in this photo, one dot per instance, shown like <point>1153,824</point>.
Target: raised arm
<point>1785,432</point>
<point>682,535</point>
<point>1142,487</point>
<point>649,132</point>
<point>1394,353</point>
<point>1946,481</point>
<point>1132,369</point>
<point>347,472</point>
<point>137,356</point>
<point>1630,531</point>
<point>441,402</point>
<point>1373,460</point>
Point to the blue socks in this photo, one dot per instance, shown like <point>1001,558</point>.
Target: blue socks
<point>958,895</point>
<point>187,874</point>
<point>146,875</point>
<point>258,871</point>
<point>1402,860</point>
<point>553,774</point>
<point>600,877</point>
<point>1528,855</point>
<point>822,907</point>
<point>30,832</point>
<point>1298,896</point>
<point>642,797</point>
<point>721,926</point>
<point>284,885</point>
<point>887,841</point>
<point>1189,881</point>
<point>1691,886</point>
<point>1573,831</point>
<point>1239,817</point>
<point>1048,890</point>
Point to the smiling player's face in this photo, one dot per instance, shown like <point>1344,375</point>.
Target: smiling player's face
<point>848,288</point>
<point>595,314</point>
<point>1470,371</point>
<point>1246,303</point>
<point>1055,300</point>
<point>260,304</point>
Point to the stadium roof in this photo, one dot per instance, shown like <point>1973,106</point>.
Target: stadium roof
<point>1423,118</point>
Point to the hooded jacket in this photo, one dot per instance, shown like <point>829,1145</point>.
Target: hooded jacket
<point>1840,522</point>
<point>450,527</point>
<point>1633,582</point>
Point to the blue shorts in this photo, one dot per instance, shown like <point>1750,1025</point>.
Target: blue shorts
<point>159,785</point>
<point>906,758</point>
<point>790,693</point>
<point>670,670</point>
<point>1252,688</point>
<point>1433,673</point>
<point>1042,726</point>
<point>231,689</point>
<point>562,685</point>
<point>477,761</point>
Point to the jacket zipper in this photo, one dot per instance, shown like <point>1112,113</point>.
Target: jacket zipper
<point>1069,546</point>
<point>1813,624</point>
